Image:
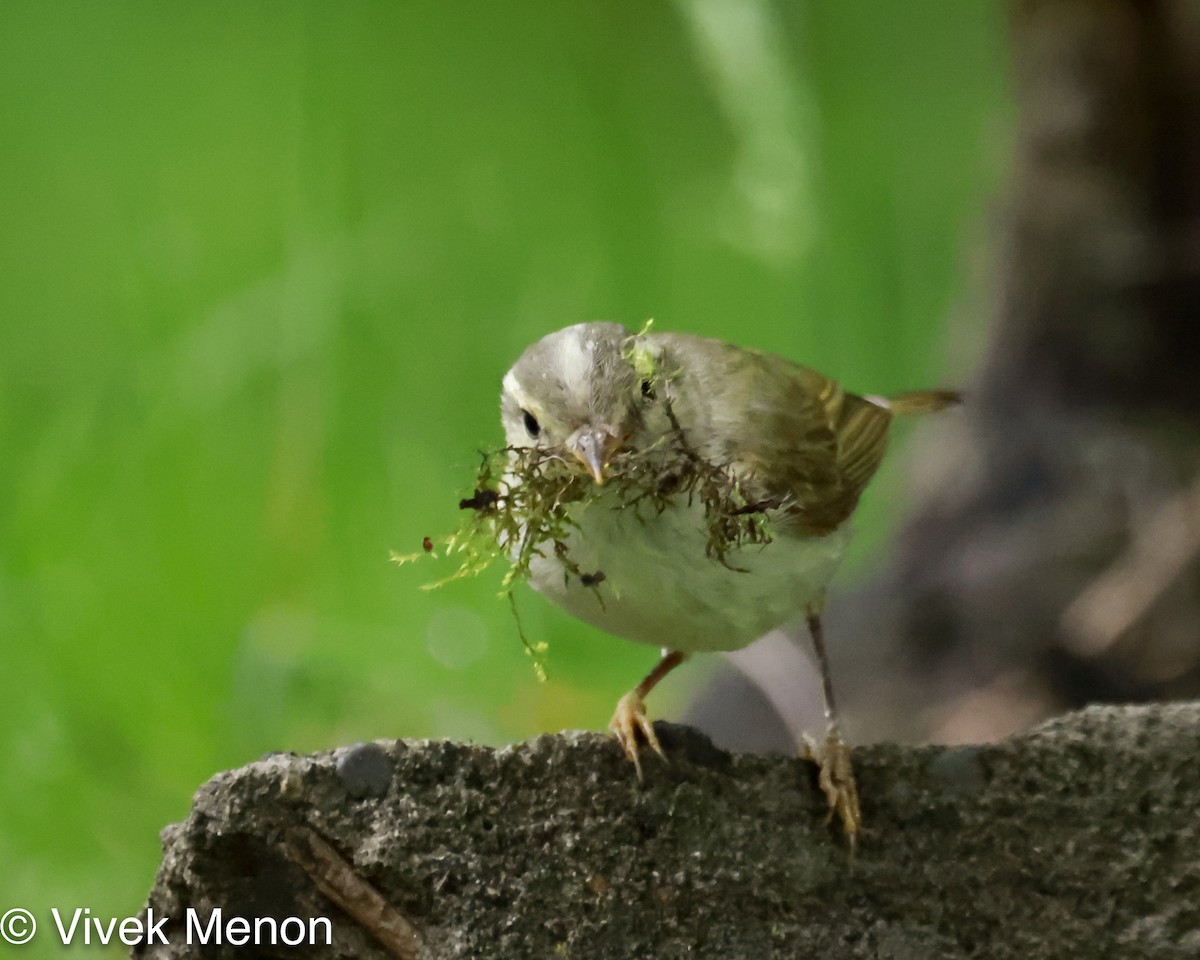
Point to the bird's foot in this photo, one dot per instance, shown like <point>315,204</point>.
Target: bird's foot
<point>837,781</point>
<point>627,723</point>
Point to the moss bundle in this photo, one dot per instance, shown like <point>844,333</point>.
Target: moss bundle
<point>526,503</point>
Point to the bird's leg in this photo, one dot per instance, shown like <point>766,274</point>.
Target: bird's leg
<point>630,718</point>
<point>837,773</point>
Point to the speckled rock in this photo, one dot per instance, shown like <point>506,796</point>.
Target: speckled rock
<point>1080,838</point>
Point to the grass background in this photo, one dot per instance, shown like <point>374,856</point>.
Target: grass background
<point>263,267</point>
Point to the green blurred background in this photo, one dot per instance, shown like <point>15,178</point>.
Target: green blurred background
<point>263,266</point>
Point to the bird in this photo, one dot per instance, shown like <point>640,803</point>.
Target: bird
<point>797,450</point>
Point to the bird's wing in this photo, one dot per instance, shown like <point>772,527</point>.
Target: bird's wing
<point>829,444</point>
<point>792,434</point>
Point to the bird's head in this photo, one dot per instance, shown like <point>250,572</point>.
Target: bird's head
<point>577,390</point>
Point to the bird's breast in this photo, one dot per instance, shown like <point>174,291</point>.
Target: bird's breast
<point>649,578</point>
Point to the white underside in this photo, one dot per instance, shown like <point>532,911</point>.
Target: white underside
<point>660,588</point>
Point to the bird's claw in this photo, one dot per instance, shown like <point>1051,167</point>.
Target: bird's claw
<point>627,723</point>
<point>837,781</point>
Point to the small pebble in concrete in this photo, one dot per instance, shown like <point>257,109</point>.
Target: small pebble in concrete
<point>365,770</point>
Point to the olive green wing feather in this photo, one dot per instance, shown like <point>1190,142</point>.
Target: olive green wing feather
<point>827,479</point>
<point>794,436</point>
<point>843,441</point>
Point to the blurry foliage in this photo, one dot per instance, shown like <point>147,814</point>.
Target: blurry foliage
<point>264,265</point>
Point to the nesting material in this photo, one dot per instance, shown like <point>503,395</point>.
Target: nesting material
<point>530,509</point>
<point>525,502</point>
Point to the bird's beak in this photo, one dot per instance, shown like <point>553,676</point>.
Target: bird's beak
<point>593,446</point>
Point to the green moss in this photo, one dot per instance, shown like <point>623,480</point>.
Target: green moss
<point>639,356</point>
<point>526,501</point>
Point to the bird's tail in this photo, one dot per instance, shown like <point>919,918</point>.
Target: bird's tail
<point>918,401</point>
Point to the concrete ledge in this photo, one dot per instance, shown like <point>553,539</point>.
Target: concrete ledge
<point>1080,838</point>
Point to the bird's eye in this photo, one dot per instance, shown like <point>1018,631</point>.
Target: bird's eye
<point>647,390</point>
<point>531,424</point>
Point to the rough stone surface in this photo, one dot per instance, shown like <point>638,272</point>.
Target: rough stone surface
<point>1080,838</point>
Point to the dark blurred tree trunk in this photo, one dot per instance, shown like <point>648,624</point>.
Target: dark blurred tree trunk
<point>1051,559</point>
